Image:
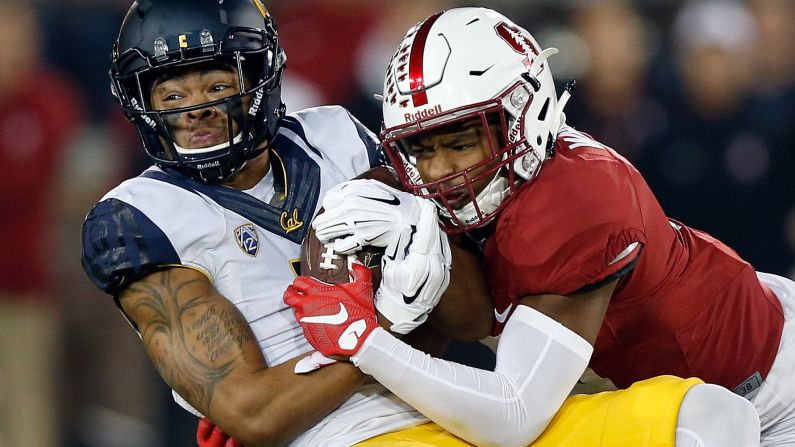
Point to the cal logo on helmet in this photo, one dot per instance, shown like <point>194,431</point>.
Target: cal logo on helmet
<point>247,239</point>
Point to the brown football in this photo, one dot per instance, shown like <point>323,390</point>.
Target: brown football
<point>319,261</point>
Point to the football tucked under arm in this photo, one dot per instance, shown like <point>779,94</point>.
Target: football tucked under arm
<point>322,262</point>
<point>373,211</point>
<point>422,270</point>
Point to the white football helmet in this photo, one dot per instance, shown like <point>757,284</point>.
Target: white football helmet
<point>464,64</point>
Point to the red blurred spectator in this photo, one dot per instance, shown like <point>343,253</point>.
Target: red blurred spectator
<point>39,113</point>
<point>611,98</point>
<point>321,38</point>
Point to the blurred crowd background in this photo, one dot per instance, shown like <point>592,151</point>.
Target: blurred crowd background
<point>700,95</point>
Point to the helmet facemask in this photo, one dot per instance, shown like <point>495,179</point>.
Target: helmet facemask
<point>472,196</point>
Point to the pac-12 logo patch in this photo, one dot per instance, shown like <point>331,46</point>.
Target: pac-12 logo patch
<point>247,239</point>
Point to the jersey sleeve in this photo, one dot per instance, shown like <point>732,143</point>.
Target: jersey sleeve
<point>575,232</point>
<point>121,244</point>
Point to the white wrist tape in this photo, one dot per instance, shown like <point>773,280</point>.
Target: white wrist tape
<point>538,362</point>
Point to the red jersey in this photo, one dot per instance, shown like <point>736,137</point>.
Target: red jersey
<point>685,303</point>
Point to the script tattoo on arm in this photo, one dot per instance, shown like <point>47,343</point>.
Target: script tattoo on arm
<point>194,336</point>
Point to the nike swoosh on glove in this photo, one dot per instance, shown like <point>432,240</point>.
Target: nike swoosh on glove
<point>209,435</point>
<point>336,318</point>
<point>364,212</point>
<point>412,286</point>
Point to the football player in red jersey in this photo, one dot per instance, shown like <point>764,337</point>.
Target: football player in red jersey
<point>565,228</point>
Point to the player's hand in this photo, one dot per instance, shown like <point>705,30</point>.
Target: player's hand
<point>209,435</point>
<point>412,286</point>
<point>336,318</point>
<point>367,212</point>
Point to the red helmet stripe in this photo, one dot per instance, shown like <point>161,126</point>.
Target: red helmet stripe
<point>416,60</point>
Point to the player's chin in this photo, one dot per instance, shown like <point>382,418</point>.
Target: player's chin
<point>457,201</point>
<point>201,140</point>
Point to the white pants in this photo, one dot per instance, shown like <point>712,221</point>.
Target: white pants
<point>775,399</point>
<point>712,416</point>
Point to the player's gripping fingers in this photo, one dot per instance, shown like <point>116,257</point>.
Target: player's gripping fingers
<point>361,274</point>
<point>347,245</point>
<point>305,284</point>
<point>209,435</point>
<point>309,302</point>
<point>337,319</point>
<point>364,212</point>
<point>204,432</point>
<point>360,290</point>
<point>294,297</point>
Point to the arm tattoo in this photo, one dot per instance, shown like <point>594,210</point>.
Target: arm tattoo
<point>192,342</point>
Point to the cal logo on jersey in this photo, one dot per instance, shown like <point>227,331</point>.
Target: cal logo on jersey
<point>247,239</point>
<point>290,223</point>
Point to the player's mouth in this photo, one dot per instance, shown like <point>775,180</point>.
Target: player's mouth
<point>205,138</point>
<point>457,197</point>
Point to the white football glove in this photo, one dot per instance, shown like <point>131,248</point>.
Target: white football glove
<point>367,212</point>
<point>415,268</point>
<point>411,286</point>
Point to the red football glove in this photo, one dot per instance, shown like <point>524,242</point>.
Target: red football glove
<point>209,435</point>
<point>336,318</point>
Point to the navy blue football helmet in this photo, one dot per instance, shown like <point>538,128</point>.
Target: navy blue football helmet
<point>159,37</point>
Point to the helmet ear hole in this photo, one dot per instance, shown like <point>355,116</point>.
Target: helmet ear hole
<point>542,115</point>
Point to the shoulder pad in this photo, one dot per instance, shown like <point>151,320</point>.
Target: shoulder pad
<point>121,244</point>
<point>319,124</point>
<point>371,143</point>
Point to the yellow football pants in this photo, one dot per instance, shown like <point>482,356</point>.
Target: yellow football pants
<point>643,415</point>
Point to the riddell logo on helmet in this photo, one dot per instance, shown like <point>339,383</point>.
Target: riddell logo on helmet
<point>213,164</point>
<point>423,113</point>
<point>515,132</point>
<point>256,103</point>
<point>146,118</point>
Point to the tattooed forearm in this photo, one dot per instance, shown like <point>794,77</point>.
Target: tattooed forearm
<point>219,332</point>
<point>193,338</point>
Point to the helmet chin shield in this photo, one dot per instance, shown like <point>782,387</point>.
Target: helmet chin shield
<point>161,37</point>
<point>479,211</point>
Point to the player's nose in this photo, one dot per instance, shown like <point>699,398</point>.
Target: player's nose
<point>203,113</point>
<point>440,165</point>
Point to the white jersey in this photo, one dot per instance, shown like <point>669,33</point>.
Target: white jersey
<point>248,244</point>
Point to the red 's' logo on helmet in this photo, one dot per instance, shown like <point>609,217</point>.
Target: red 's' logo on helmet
<point>514,37</point>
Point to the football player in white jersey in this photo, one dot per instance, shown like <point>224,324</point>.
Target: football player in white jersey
<point>198,250</point>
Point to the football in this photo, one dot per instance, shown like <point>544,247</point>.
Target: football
<point>321,262</point>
